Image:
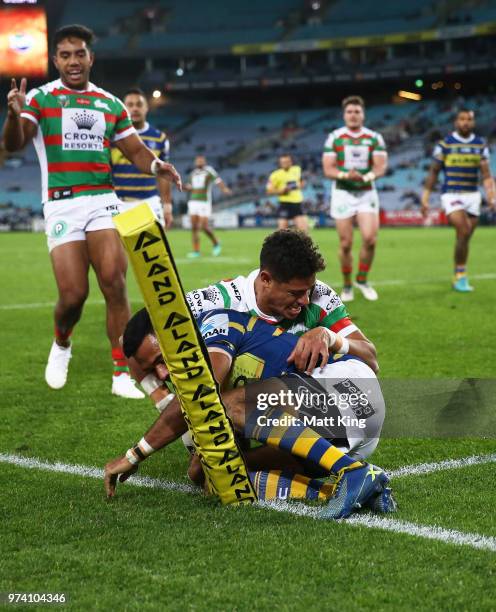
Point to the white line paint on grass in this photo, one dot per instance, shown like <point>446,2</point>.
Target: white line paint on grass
<point>449,464</point>
<point>92,472</point>
<point>430,532</point>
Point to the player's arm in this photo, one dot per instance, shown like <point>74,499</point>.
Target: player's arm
<point>222,186</point>
<point>331,170</point>
<point>145,160</point>
<point>379,166</point>
<point>169,426</point>
<point>165,192</point>
<point>488,182</point>
<point>318,343</point>
<point>17,131</point>
<point>429,185</point>
<point>274,188</point>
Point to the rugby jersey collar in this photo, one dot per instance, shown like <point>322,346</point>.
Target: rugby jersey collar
<point>144,129</point>
<point>251,300</point>
<point>59,83</point>
<point>461,139</point>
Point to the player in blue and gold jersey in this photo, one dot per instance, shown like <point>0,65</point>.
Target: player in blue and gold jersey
<point>296,452</point>
<point>464,158</point>
<point>131,185</point>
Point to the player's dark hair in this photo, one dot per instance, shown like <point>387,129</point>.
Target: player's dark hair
<point>74,31</point>
<point>358,100</point>
<point>135,91</point>
<point>286,155</point>
<point>289,254</point>
<point>138,327</point>
<point>463,110</point>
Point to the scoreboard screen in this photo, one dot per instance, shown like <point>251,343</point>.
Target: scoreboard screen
<point>23,41</point>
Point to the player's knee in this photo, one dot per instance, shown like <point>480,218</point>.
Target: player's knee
<point>345,244</point>
<point>112,282</point>
<point>369,241</point>
<point>73,298</point>
<point>195,471</point>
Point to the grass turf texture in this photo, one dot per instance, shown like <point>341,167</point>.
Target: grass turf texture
<point>151,549</point>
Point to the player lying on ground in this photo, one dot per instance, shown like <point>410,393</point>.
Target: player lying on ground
<point>284,292</point>
<point>235,342</point>
<point>72,123</point>
<point>462,155</point>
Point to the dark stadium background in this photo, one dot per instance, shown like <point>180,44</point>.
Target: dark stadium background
<point>243,82</point>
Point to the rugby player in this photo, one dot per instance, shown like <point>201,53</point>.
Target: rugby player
<point>462,156</point>
<point>234,339</point>
<point>132,186</point>
<point>200,185</point>
<point>287,184</point>
<point>73,123</point>
<point>354,157</point>
<point>284,292</point>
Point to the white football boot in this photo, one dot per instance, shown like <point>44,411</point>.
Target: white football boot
<point>368,292</point>
<point>124,386</point>
<point>347,294</point>
<point>57,366</point>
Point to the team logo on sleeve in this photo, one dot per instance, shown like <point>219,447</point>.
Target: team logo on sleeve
<point>216,325</point>
<point>82,129</point>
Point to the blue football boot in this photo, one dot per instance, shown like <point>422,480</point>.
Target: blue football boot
<point>353,490</point>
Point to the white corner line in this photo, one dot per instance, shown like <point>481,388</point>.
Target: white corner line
<point>430,532</point>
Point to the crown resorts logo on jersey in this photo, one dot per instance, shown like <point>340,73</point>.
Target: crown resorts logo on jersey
<point>82,129</point>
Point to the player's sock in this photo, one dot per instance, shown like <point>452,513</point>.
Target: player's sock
<point>299,440</point>
<point>363,270</point>
<point>287,485</point>
<point>347,271</point>
<point>62,337</point>
<point>120,362</point>
<point>460,272</point>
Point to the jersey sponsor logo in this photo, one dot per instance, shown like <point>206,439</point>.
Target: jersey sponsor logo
<point>100,104</point>
<point>210,294</point>
<point>356,157</point>
<point>82,130</point>
<point>236,291</point>
<point>320,290</point>
<point>357,399</point>
<point>334,302</point>
<point>83,101</point>
<point>216,325</point>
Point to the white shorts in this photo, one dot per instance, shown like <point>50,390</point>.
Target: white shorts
<point>346,204</point>
<point>154,203</point>
<point>469,202</point>
<point>362,400</point>
<point>69,219</point>
<point>202,209</point>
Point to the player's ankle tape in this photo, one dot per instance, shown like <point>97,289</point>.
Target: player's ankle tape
<point>164,402</point>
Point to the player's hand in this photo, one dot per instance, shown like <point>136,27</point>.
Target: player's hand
<point>167,171</point>
<point>112,470</point>
<point>354,175</point>
<point>312,345</point>
<point>16,98</point>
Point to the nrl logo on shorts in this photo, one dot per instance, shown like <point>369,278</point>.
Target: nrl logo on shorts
<point>63,101</point>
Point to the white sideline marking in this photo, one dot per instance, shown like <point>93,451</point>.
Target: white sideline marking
<point>449,464</point>
<point>431,532</point>
<point>384,283</point>
<point>92,472</point>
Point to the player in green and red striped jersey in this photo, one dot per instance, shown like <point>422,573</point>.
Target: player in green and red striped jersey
<point>354,157</point>
<point>73,124</point>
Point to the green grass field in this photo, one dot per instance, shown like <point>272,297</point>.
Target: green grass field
<point>158,549</point>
